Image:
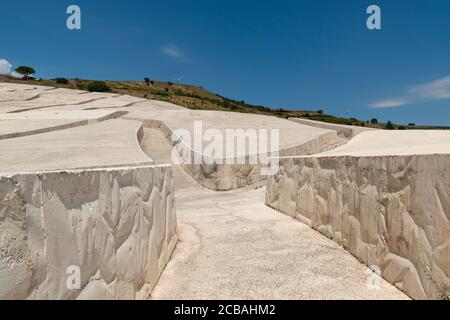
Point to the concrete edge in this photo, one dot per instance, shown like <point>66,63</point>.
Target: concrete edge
<point>84,169</point>
<point>76,123</point>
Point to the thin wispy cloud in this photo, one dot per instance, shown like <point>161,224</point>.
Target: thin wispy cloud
<point>438,89</point>
<point>435,90</point>
<point>390,103</point>
<point>173,52</point>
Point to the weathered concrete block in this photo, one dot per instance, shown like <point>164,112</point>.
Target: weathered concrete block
<point>388,211</point>
<point>118,226</point>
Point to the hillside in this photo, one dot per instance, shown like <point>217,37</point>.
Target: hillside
<point>198,98</point>
<point>188,96</point>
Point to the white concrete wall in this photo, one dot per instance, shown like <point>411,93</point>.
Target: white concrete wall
<point>220,176</point>
<point>117,225</point>
<point>390,211</point>
<point>344,131</point>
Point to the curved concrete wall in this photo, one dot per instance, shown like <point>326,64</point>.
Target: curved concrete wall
<point>118,226</point>
<point>220,176</point>
<point>344,131</point>
<point>390,211</point>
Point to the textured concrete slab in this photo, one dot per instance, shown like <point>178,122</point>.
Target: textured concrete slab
<point>19,86</point>
<point>21,95</point>
<point>156,105</point>
<point>14,125</point>
<point>137,107</point>
<point>102,94</point>
<point>47,100</point>
<point>19,106</point>
<point>18,128</point>
<point>398,142</point>
<point>114,102</point>
<point>114,228</point>
<point>61,115</point>
<point>66,91</point>
<point>105,144</point>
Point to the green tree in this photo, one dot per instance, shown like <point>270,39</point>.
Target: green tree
<point>374,121</point>
<point>25,71</point>
<point>389,125</point>
<point>147,81</point>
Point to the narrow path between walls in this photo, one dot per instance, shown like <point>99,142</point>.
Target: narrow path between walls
<point>232,246</point>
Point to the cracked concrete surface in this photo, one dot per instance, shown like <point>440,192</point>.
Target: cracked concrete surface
<point>104,144</point>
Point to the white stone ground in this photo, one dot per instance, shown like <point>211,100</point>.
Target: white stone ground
<point>394,143</point>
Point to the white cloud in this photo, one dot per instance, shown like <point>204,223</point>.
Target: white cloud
<point>173,52</point>
<point>435,90</point>
<point>5,67</point>
<point>389,103</point>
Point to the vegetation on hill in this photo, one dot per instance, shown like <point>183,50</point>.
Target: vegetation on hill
<point>197,98</point>
<point>25,71</point>
<point>98,86</point>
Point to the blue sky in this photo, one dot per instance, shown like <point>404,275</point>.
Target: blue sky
<point>313,54</point>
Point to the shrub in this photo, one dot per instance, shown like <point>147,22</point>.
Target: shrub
<point>389,125</point>
<point>61,80</point>
<point>147,81</point>
<point>374,121</point>
<point>98,86</point>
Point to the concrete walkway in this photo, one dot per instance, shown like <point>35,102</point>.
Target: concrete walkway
<point>232,246</point>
